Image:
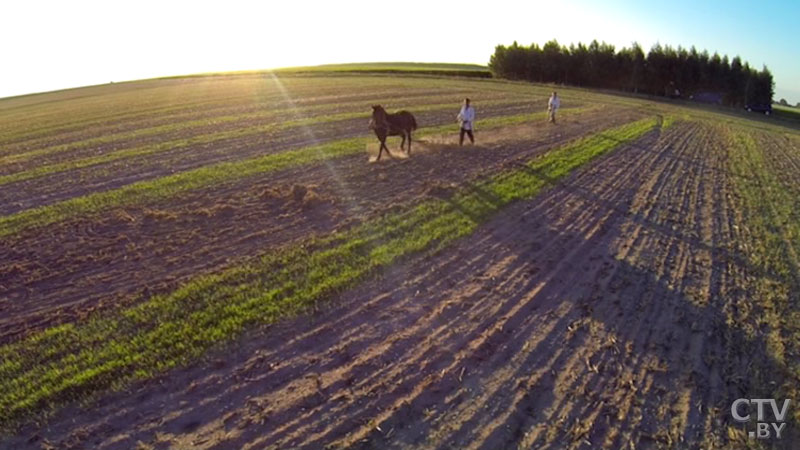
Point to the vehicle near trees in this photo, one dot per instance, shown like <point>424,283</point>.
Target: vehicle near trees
<point>765,108</point>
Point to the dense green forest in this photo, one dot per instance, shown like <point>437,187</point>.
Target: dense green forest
<point>664,70</point>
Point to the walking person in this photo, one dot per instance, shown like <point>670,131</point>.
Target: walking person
<point>552,106</point>
<point>466,117</point>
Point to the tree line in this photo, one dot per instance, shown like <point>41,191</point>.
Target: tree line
<point>664,70</point>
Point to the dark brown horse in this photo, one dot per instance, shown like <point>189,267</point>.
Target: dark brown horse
<point>398,124</point>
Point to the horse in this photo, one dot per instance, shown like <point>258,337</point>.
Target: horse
<point>401,123</point>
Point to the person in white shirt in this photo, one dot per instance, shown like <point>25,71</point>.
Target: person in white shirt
<point>552,106</point>
<point>466,117</point>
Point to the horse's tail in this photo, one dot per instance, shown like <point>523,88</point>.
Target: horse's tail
<point>413,123</point>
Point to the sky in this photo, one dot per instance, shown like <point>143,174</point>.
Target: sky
<point>48,45</point>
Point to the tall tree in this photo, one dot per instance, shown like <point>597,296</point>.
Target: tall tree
<point>662,71</point>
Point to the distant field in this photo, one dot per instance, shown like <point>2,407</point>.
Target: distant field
<point>785,108</point>
<point>398,66</point>
<point>215,262</point>
<point>465,70</point>
<point>786,112</point>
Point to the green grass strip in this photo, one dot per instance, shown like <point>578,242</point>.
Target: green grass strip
<point>120,106</point>
<point>182,114</point>
<point>172,185</point>
<point>184,121</point>
<point>198,139</point>
<point>770,213</point>
<point>74,361</point>
<point>31,136</point>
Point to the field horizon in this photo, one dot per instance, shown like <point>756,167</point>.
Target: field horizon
<point>788,116</point>
<point>388,67</point>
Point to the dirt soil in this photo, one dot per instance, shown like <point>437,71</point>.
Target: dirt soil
<point>596,315</point>
<point>65,272</point>
<point>207,109</point>
<point>278,111</point>
<point>45,190</point>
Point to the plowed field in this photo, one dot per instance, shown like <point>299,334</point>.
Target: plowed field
<point>215,262</point>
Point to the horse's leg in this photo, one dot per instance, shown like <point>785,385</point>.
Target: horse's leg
<point>409,142</point>
<point>382,140</point>
<point>383,146</point>
<point>402,144</point>
<point>387,150</point>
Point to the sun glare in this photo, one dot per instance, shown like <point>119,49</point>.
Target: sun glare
<point>344,193</point>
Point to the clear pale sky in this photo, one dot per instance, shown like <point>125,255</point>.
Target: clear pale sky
<point>49,45</point>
